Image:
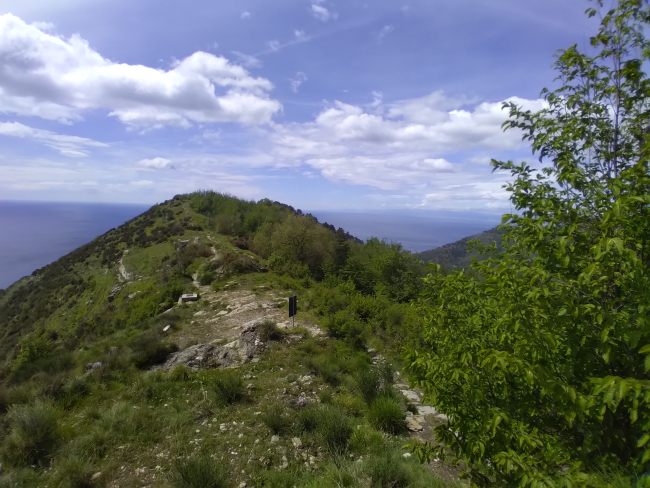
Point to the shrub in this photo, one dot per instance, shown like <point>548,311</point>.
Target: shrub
<point>199,472</point>
<point>206,278</point>
<point>268,331</point>
<point>368,384</point>
<point>180,373</point>
<point>74,472</point>
<point>334,429</point>
<point>33,434</point>
<point>150,349</point>
<point>275,419</point>
<point>365,439</point>
<point>228,388</point>
<point>307,420</point>
<point>386,414</point>
<point>388,470</point>
<point>326,366</point>
<point>351,404</point>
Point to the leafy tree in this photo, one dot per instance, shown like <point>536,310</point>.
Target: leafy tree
<point>539,362</point>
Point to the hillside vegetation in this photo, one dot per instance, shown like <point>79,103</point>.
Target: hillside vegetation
<point>106,380</point>
<point>459,254</point>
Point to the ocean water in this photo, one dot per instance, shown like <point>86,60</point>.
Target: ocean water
<point>417,231</point>
<point>33,234</point>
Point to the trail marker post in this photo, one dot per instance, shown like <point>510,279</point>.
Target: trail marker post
<point>293,309</point>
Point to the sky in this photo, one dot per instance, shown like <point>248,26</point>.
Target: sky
<point>320,104</point>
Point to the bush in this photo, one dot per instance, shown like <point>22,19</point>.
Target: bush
<point>386,414</point>
<point>180,373</point>
<point>33,434</point>
<point>276,420</point>
<point>74,472</point>
<point>368,384</point>
<point>228,388</point>
<point>307,420</point>
<point>150,349</point>
<point>326,366</point>
<point>199,472</point>
<point>206,278</point>
<point>365,440</point>
<point>334,429</point>
<point>268,331</point>
<point>388,470</point>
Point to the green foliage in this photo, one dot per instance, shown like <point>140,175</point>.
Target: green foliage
<point>33,434</point>
<point>334,429</point>
<point>199,472</point>
<point>539,362</point>
<point>275,418</point>
<point>268,331</point>
<point>386,414</point>
<point>150,348</point>
<point>228,387</point>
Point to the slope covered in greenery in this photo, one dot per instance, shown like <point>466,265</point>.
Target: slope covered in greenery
<point>87,396</point>
<point>457,255</point>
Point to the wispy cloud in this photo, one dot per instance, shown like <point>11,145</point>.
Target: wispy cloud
<point>299,79</point>
<point>385,30</point>
<point>322,13</point>
<point>245,14</point>
<point>248,60</point>
<point>71,146</point>
<point>274,45</point>
<point>155,164</point>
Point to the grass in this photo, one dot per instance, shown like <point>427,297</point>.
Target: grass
<point>275,418</point>
<point>199,472</point>
<point>228,388</point>
<point>334,429</point>
<point>33,434</point>
<point>386,414</point>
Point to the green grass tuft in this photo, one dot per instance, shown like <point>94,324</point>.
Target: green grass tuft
<point>33,435</point>
<point>386,414</point>
<point>199,472</point>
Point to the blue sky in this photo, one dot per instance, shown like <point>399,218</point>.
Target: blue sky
<point>322,104</point>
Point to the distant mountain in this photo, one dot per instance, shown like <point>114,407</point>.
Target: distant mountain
<point>456,255</point>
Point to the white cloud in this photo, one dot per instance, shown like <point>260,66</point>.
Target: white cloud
<point>71,146</point>
<point>406,143</point>
<point>297,81</point>
<point>321,13</point>
<point>50,77</point>
<point>248,60</point>
<point>245,14</point>
<point>142,183</point>
<point>300,35</point>
<point>274,45</point>
<point>155,163</point>
<point>385,30</point>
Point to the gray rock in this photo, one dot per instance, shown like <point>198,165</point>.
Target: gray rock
<point>166,328</point>
<point>301,402</point>
<point>206,356</point>
<point>91,366</point>
<point>275,438</point>
<point>296,442</point>
<point>249,342</point>
<point>96,476</point>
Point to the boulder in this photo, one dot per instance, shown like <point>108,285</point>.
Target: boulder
<point>203,356</point>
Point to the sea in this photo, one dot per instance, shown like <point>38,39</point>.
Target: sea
<point>34,234</point>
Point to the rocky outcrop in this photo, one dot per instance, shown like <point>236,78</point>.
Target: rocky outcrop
<point>208,356</point>
<point>204,356</point>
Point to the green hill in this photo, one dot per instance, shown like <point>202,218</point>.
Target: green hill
<point>456,255</point>
<point>110,376</point>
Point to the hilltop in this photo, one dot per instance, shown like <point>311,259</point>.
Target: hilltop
<point>456,255</point>
<point>109,378</point>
